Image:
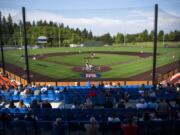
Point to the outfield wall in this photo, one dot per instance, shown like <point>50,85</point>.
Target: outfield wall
<point>159,79</point>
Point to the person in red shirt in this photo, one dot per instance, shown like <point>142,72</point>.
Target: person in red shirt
<point>130,128</point>
<point>92,93</point>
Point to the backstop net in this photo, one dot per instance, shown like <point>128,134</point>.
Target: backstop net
<point>13,43</point>
<point>89,44</point>
<point>168,51</point>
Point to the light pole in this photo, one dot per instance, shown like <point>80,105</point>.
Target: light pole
<point>124,39</point>
<point>59,34</point>
<point>163,40</point>
<point>20,34</point>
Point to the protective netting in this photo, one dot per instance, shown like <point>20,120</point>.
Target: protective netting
<point>103,44</point>
<point>13,44</point>
<point>168,43</point>
<point>102,37</point>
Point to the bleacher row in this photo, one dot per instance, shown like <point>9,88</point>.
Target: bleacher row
<point>77,128</point>
<point>83,114</point>
<point>73,121</point>
<point>80,93</point>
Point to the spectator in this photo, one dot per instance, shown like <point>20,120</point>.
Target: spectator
<point>119,84</point>
<point>152,94</point>
<point>178,87</point>
<point>49,87</point>
<point>20,87</point>
<point>58,127</point>
<point>93,127</point>
<point>163,106</point>
<point>88,84</point>
<point>155,117</point>
<point>88,103</point>
<point>126,96</point>
<point>11,104</point>
<point>130,128</point>
<point>24,93</point>
<point>121,104</point>
<point>33,88</point>
<point>34,104</point>
<point>21,104</point>
<point>44,89</point>
<point>169,104</point>
<point>37,92</point>
<point>46,104</point>
<point>5,117</point>
<point>106,85</point>
<point>141,104</point>
<point>152,104</point>
<point>30,117</point>
<point>16,92</point>
<point>92,93</point>
<point>30,91</point>
<point>113,118</point>
<point>65,90</point>
<point>101,84</point>
<point>142,87</point>
<point>146,117</point>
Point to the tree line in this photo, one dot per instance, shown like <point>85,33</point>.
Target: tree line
<point>61,35</point>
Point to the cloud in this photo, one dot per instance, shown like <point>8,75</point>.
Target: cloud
<point>132,22</point>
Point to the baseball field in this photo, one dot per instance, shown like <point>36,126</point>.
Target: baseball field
<point>108,62</point>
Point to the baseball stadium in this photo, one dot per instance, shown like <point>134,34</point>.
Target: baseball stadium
<point>104,71</point>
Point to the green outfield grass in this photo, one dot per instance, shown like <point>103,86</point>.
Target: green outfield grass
<point>123,66</point>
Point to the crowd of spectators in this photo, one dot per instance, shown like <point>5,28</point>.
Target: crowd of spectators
<point>122,100</point>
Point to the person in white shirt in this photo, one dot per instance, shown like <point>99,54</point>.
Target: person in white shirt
<point>113,118</point>
<point>141,104</point>
<point>44,89</point>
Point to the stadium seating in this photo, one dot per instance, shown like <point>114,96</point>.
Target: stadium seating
<point>77,93</point>
<point>73,120</point>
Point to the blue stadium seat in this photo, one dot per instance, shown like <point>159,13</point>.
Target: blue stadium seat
<point>51,97</point>
<point>44,97</point>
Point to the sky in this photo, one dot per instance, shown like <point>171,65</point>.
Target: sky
<point>99,16</point>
